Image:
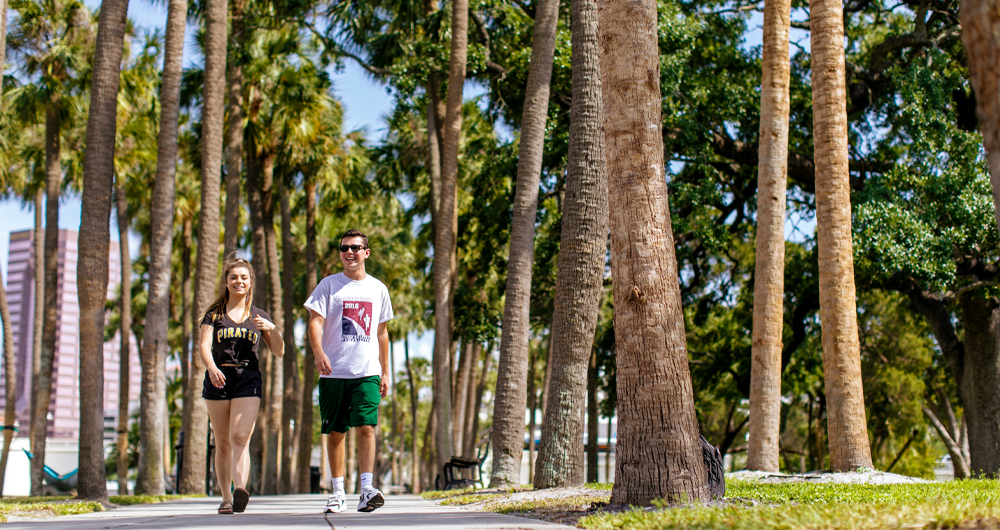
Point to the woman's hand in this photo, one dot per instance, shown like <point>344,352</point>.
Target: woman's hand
<point>263,324</point>
<point>218,379</point>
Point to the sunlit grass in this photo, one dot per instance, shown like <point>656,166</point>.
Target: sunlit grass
<point>969,503</point>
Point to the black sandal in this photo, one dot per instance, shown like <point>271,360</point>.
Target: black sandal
<point>240,500</point>
<point>226,508</point>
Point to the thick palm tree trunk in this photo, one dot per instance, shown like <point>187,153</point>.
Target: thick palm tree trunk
<point>846,422</point>
<point>583,244</point>
<point>234,133</point>
<point>275,393</point>
<point>290,408</point>
<point>445,228</point>
<point>304,428</point>
<point>978,385</point>
<point>42,393</point>
<point>980,20</point>
<point>512,370</point>
<point>124,331</point>
<point>207,269</point>
<point>39,316</point>
<point>10,377</point>
<point>95,240</point>
<point>769,285</point>
<point>152,396</point>
<point>655,459</point>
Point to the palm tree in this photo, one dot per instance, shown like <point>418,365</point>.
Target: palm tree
<point>10,375</point>
<point>508,409</point>
<point>234,133</point>
<point>583,244</point>
<point>654,460</point>
<point>94,240</point>
<point>44,33</point>
<point>980,19</point>
<point>155,348</point>
<point>192,478</point>
<point>445,231</point>
<point>125,329</point>
<point>769,283</point>
<point>846,423</point>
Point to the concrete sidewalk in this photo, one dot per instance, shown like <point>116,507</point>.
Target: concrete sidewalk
<point>295,512</point>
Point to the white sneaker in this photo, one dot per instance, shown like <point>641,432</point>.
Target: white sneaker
<point>336,503</point>
<point>371,498</point>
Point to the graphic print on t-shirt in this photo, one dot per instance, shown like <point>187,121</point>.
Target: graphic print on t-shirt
<point>356,322</point>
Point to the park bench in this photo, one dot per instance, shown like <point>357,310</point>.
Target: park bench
<point>452,472</point>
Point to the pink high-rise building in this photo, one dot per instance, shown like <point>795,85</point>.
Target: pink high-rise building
<point>64,410</point>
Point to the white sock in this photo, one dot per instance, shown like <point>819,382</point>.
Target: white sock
<point>337,484</point>
<point>366,480</point>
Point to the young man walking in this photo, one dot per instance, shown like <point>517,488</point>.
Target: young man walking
<point>347,331</point>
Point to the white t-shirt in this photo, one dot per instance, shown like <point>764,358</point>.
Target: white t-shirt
<point>353,310</point>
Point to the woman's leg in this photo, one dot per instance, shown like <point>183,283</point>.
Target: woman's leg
<point>243,415</point>
<point>219,414</point>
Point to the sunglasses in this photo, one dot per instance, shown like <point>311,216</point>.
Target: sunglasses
<point>355,248</point>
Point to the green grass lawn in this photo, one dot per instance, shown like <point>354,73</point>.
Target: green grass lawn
<point>956,504</point>
<point>750,505</point>
<point>54,506</point>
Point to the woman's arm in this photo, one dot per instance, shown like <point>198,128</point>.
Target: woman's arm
<point>214,374</point>
<point>271,335</point>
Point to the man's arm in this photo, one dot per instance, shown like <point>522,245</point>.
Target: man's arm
<point>383,357</point>
<point>315,332</point>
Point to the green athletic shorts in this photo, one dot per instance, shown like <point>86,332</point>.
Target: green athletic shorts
<point>346,403</point>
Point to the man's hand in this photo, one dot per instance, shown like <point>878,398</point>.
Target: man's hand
<point>323,364</point>
<point>383,385</point>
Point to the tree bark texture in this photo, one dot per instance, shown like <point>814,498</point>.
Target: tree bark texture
<point>153,356</point>
<point>234,134</point>
<point>290,407</point>
<point>979,384</point>
<point>9,372</point>
<point>95,240</point>
<point>981,37</point>
<point>769,283</point>
<point>658,452</point>
<point>846,422</point>
<point>582,247</point>
<point>39,316</point>
<point>275,400</point>
<point>512,369</point>
<point>42,393</point>
<point>207,269</point>
<point>305,423</point>
<point>446,226</point>
<point>124,331</point>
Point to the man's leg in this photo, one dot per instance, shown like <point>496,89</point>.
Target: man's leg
<point>335,449</point>
<point>366,448</point>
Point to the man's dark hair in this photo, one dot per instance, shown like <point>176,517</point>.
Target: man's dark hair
<point>354,233</point>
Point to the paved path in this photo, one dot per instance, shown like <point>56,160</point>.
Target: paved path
<point>294,512</point>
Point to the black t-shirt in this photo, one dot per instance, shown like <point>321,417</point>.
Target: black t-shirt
<point>232,342</point>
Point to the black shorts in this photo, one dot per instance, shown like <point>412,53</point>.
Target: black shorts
<point>240,383</point>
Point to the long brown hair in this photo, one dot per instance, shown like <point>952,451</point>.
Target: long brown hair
<point>218,307</point>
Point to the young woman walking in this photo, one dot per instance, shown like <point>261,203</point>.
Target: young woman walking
<point>230,336</point>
